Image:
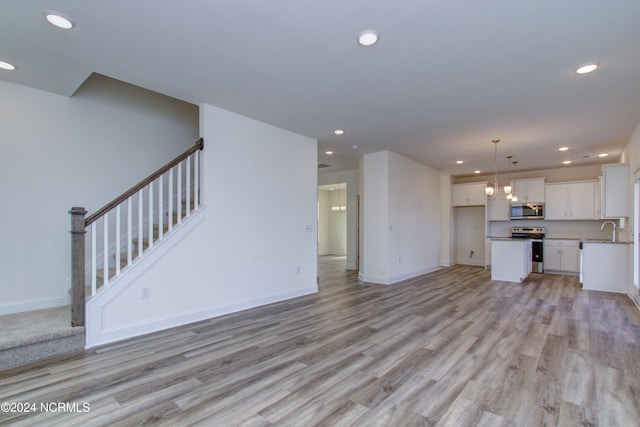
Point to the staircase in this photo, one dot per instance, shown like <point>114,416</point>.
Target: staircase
<point>135,252</point>
<point>110,242</point>
<point>106,246</point>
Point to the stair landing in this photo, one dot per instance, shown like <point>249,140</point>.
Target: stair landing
<point>35,335</point>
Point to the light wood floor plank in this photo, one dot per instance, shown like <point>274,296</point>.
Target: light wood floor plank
<point>450,348</point>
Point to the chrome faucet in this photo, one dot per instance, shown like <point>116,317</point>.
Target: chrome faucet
<point>613,231</point>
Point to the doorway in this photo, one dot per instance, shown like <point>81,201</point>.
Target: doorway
<point>332,226</point>
<point>332,220</point>
<point>469,237</point>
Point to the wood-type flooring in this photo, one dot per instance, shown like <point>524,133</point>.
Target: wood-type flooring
<point>448,348</point>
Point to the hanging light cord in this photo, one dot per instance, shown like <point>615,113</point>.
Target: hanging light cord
<point>495,163</point>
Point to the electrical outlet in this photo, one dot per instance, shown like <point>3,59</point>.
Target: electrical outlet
<point>144,293</point>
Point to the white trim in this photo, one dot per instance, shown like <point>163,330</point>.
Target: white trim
<point>96,304</point>
<point>406,276</point>
<point>36,304</point>
<point>475,262</point>
<point>97,333</point>
<point>109,335</point>
<point>395,279</point>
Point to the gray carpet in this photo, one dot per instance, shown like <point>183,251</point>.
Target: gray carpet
<point>36,335</point>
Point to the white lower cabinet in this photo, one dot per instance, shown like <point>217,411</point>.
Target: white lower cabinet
<point>605,267</point>
<point>561,256</point>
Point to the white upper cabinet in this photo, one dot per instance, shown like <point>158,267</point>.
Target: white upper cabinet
<point>498,208</point>
<point>615,190</point>
<point>528,190</point>
<point>572,200</point>
<point>468,194</point>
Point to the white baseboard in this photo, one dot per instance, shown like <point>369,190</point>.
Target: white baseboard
<point>36,304</point>
<point>119,333</point>
<point>477,263</point>
<point>411,275</point>
<point>397,278</point>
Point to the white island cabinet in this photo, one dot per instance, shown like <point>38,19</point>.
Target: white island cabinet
<point>604,266</point>
<point>510,259</point>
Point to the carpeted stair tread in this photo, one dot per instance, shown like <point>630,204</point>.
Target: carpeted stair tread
<point>37,335</point>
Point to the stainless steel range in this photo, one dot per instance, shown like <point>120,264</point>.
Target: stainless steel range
<point>536,234</point>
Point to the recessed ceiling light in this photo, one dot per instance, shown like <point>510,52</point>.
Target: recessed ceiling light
<point>329,152</point>
<point>368,37</point>
<point>355,147</point>
<point>58,19</point>
<point>459,162</point>
<point>566,162</point>
<point>563,148</point>
<point>586,68</point>
<point>477,171</point>
<point>603,154</point>
<point>7,66</point>
<point>338,132</point>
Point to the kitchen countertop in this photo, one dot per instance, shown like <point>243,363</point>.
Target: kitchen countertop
<point>563,238</point>
<point>604,241</point>
<point>623,242</point>
<point>504,238</point>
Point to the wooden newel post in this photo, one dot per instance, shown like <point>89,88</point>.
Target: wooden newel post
<point>77,265</point>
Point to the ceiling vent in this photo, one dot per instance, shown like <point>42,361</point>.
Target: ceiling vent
<point>323,165</point>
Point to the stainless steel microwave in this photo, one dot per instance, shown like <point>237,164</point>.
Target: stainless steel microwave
<point>527,211</point>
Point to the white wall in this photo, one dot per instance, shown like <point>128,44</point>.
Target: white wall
<point>374,188</point>
<point>58,152</point>
<point>401,215</point>
<point>257,243</point>
<point>352,179</point>
<point>414,214</point>
<point>447,228</point>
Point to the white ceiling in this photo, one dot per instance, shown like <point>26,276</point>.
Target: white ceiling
<point>445,79</point>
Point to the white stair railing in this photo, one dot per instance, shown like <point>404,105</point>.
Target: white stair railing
<point>152,210</point>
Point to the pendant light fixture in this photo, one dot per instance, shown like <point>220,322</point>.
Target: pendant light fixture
<point>514,197</point>
<point>492,192</point>
<point>507,188</point>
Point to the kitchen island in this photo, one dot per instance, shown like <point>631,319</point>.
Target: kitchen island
<point>510,259</point>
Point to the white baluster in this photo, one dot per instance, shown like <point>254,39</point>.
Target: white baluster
<point>117,239</point>
<point>170,204</point>
<point>196,179</point>
<point>160,207</point>
<point>179,191</point>
<point>140,220</point>
<point>94,256</point>
<point>188,185</point>
<point>105,248</point>
<point>150,217</point>
<point>129,231</point>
